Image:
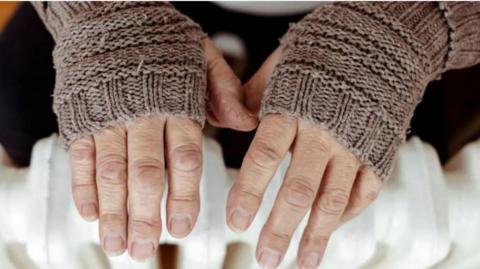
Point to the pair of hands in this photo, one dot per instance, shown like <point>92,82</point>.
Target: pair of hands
<point>118,174</point>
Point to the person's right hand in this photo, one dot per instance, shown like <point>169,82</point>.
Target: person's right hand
<point>118,174</point>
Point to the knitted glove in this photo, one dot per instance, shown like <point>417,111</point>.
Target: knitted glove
<point>116,61</point>
<point>359,69</point>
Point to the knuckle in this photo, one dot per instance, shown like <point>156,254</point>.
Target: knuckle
<point>80,190</point>
<point>344,174</point>
<point>112,220</point>
<point>264,155</point>
<point>147,165</point>
<point>183,188</point>
<point>345,168</point>
<point>322,146</point>
<point>246,190</point>
<point>299,192</point>
<point>333,201</point>
<point>184,198</point>
<point>278,236</point>
<point>327,226</point>
<point>148,174</point>
<point>112,170</point>
<point>187,158</point>
<point>82,152</point>
<point>145,226</point>
<point>349,162</point>
<point>312,239</point>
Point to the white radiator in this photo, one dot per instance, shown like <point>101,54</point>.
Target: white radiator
<point>425,217</point>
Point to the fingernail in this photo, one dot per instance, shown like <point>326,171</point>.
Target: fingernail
<point>142,249</point>
<point>180,225</point>
<point>310,260</point>
<point>269,258</point>
<point>113,244</point>
<point>240,219</point>
<point>89,211</point>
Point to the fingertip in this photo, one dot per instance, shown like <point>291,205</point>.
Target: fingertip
<point>240,209</point>
<point>113,245</point>
<point>269,258</point>
<point>309,260</point>
<point>180,225</point>
<point>89,212</point>
<point>142,249</point>
<point>239,220</point>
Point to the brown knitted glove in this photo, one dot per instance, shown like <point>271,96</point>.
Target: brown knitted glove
<point>116,61</point>
<point>359,69</point>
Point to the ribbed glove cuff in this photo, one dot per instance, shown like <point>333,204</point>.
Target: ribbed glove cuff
<point>117,61</point>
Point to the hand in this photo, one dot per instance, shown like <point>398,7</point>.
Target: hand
<point>127,164</point>
<point>323,177</point>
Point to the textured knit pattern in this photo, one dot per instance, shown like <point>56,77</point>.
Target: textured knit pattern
<point>359,69</point>
<point>117,61</point>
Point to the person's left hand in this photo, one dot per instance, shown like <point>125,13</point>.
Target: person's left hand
<point>323,176</point>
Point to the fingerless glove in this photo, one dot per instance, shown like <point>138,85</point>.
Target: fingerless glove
<point>359,69</point>
<point>116,61</point>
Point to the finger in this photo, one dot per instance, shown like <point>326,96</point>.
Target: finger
<point>364,191</point>
<point>111,179</point>
<point>225,93</point>
<point>328,208</point>
<point>255,87</point>
<point>145,185</point>
<point>82,161</point>
<point>312,151</point>
<point>184,155</point>
<point>272,141</point>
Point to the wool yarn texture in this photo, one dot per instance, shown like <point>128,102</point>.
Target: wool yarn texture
<point>357,69</point>
<point>360,69</point>
<point>118,61</point>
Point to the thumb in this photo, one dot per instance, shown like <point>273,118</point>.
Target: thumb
<point>257,84</point>
<point>225,108</point>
